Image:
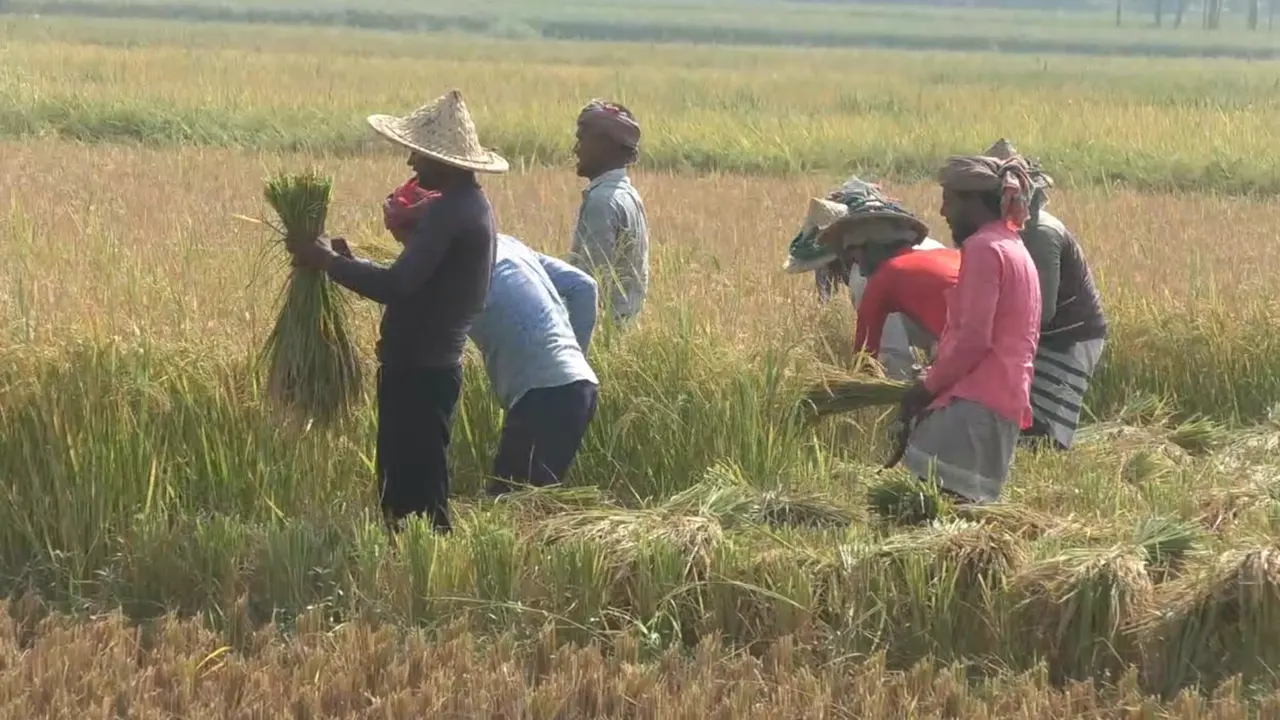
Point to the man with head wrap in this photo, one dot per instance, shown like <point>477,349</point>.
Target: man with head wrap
<point>611,239</point>
<point>1073,330</point>
<point>900,333</point>
<point>965,413</point>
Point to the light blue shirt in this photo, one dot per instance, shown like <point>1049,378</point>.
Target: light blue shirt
<point>536,324</point>
<point>611,241</point>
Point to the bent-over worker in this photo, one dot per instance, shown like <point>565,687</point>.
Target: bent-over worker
<point>900,333</point>
<point>533,335</point>
<point>879,238</point>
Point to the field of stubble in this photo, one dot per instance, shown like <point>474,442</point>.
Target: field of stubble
<point>710,556</point>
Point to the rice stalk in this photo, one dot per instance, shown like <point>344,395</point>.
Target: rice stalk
<point>1074,610</point>
<point>314,373</point>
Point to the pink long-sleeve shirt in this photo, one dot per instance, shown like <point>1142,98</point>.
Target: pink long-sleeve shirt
<point>988,344</point>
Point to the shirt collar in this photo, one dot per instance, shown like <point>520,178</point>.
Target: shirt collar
<point>618,175</point>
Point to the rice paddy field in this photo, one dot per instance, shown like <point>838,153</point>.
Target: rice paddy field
<point>169,549</point>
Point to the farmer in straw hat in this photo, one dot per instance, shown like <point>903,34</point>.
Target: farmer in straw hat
<point>965,413</point>
<point>1073,330</point>
<point>431,294</point>
<point>804,254</point>
<point>611,239</point>
<point>878,235</point>
<point>900,332</point>
<point>534,334</point>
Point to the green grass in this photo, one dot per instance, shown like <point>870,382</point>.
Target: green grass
<point>1156,125</point>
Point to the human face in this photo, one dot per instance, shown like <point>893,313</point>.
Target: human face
<point>432,175</point>
<point>960,210</point>
<point>594,152</point>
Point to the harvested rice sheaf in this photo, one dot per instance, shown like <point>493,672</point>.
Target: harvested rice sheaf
<point>314,372</point>
<point>906,500</point>
<point>844,395</point>
<point>1075,610</point>
<point>1219,622</point>
<point>1165,542</point>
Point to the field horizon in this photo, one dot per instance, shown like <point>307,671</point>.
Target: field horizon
<point>165,537</point>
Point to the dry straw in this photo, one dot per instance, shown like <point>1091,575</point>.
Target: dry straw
<point>314,372</point>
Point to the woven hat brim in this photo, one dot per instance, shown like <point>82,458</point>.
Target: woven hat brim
<point>388,126</point>
<point>827,237</point>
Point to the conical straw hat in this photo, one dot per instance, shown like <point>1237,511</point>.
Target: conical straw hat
<point>443,131</point>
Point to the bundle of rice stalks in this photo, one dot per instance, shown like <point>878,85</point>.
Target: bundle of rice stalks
<point>849,394</point>
<point>939,587</point>
<point>1147,465</point>
<point>1200,436</point>
<point>725,494</point>
<point>621,531</point>
<point>1165,544</point>
<point>313,366</point>
<point>803,510</point>
<point>1017,520</point>
<point>980,555</point>
<point>1220,622</point>
<point>905,500</point>
<point>1074,611</point>
<point>535,504</point>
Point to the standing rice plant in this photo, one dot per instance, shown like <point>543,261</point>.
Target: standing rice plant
<point>1220,622</point>
<point>313,366</point>
<point>1074,611</point>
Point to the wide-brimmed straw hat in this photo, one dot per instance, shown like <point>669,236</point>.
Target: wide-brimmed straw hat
<point>843,233</point>
<point>441,130</point>
<point>805,254</point>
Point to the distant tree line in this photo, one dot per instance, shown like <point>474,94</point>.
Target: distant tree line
<point>1210,11</point>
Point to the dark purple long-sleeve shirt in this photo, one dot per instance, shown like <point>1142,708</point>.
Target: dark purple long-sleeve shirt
<point>436,287</point>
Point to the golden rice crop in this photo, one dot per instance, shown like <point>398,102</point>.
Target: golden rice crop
<point>313,365</point>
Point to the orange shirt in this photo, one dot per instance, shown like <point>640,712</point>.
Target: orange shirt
<point>915,283</point>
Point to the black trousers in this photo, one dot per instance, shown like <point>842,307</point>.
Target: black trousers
<point>415,413</point>
<point>542,433</point>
